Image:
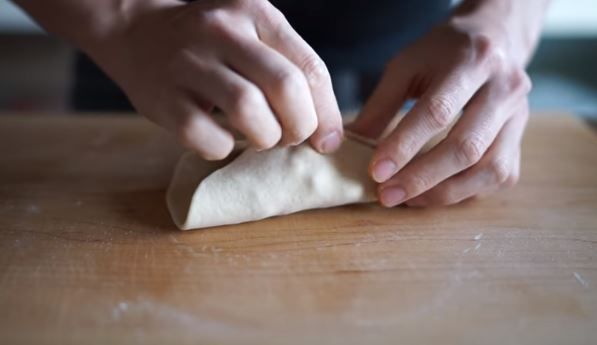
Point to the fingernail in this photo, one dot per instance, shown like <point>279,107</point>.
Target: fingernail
<point>330,142</point>
<point>383,170</point>
<point>392,196</point>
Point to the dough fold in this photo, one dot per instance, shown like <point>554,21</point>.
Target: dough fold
<point>255,185</point>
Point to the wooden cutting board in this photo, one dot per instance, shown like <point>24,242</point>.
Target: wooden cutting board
<point>88,252</point>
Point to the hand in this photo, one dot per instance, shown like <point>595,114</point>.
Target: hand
<point>460,65</point>
<point>177,61</point>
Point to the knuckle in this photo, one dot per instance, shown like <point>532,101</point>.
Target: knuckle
<point>215,18</point>
<point>482,45</point>
<point>276,23</point>
<point>268,13</point>
<point>258,5</point>
<point>519,81</point>
<point>440,110</point>
<point>401,146</point>
<point>513,82</point>
<point>287,81</point>
<point>470,149</point>
<point>248,3</point>
<point>406,148</point>
<point>487,52</point>
<point>416,184</point>
<point>245,101</point>
<point>315,70</point>
<point>500,170</point>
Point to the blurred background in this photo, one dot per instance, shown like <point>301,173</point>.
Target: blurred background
<point>36,69</point>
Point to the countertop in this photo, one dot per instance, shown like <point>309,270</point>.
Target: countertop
<point>88,252</point>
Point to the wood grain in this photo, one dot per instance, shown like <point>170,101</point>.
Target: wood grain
<point>88,252</point>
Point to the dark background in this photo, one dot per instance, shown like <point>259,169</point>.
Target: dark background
<point>36,71</point>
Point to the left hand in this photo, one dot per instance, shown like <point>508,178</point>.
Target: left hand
<point>460,65</point>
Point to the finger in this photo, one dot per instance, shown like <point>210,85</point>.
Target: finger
<point>385,102</point>
<point>199,132</point>
<point>275,31</point>
<point>434,112</point>
<point>465,146</point>
<point>500,168</point>
<point>283,84</point>
<point>244,104</point>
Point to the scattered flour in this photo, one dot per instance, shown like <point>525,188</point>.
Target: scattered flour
<point>33,209</point>
<point>581,280</point>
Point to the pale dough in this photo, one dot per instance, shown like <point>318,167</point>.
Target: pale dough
<point>257,185</point>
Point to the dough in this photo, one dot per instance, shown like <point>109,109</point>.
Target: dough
<point>256,185</point>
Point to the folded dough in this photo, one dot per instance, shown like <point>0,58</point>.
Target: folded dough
<point>256,185</point>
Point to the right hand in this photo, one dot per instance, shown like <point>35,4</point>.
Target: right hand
<point>177,61</point>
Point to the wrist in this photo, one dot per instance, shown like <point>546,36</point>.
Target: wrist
<point>119,41</point>
<point>512,26</point>
<point>107,26</point>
